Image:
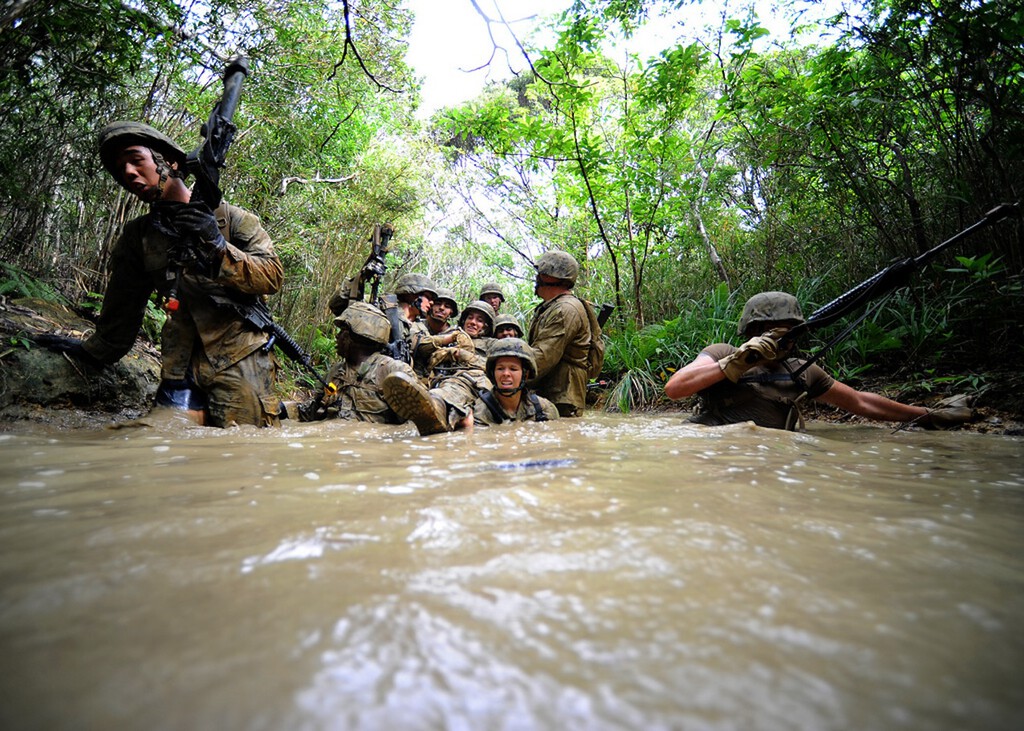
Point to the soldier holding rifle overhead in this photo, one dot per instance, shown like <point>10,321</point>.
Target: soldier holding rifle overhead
<point>198,253</point>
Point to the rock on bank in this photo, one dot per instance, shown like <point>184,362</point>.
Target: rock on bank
<point>41,386</point>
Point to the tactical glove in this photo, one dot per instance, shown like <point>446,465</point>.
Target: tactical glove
<point>760,349</point>
<point>69,345</point>
<point>196,220</point>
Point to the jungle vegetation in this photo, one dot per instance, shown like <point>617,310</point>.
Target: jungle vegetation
<point>684,178</point>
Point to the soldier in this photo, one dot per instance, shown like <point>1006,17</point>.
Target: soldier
<point>510,365</point>
<point>506,326</point>
<point>491,294</point>
<point>560,334</point>
<point>755,382</point>
<point>455,379</point>
<point>437,331</point>
<point>416,294</point>
<point>215,364</point>
<point>363,332</point>
<point>478,322</point>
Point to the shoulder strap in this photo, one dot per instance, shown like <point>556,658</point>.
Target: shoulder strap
<point>492,405</point>
<point>223,221</point>
<point>538,410</point>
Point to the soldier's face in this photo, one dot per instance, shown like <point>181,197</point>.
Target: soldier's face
<point>508,373</point>
<point>424,301</point>
<point>475,325</point>
<point>506,331</point>
<point>493,300</point>
<point>442,310</point>
<point>342,339</point>
<point>137,170</point>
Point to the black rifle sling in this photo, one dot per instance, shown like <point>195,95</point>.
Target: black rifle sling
<point>492,405</point>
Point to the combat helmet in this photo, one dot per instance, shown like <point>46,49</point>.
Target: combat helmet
<point>448,296</point>
<point>558,265</point>
<point>769,307</point>
<point>484,309</point>
<point>414,284</point>
<point>514,348</point>
<point>505,320</point>
<point>491,288</point>
<point>366,321</point>
<point>117,135</point>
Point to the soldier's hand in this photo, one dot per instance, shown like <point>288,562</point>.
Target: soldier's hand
<point>442,356</point>
<point>67,345</point>
<point>783,347</point>
<point>760,349</point>
<point>948,414</point>
<point>196,220</point>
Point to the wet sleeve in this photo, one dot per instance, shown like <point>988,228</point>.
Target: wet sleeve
<point>249,263</point>
<point>818,381</point>
<point>718,350</point>
<point>124,302</point>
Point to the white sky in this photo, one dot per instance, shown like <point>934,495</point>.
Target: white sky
<point>449,38</point>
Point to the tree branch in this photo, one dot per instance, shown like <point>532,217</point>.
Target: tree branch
<point>285,182</point>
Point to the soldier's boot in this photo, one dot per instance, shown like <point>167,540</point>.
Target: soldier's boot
<point>408,398</point>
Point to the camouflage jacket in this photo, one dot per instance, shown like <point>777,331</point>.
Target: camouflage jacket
<point>359,394</point>
<point>139,266</point>
<point>560,338</point>
<point>485,414</point>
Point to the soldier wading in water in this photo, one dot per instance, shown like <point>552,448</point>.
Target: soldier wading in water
<point>510,365</point>
<point>755,381</point>
<point>214,364</point>
<point>363,332</point>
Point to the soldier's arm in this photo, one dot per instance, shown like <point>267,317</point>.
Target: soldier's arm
<point>124,303</point>
<point>871,405</point>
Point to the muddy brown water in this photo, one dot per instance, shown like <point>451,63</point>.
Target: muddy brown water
<point>612,572</point>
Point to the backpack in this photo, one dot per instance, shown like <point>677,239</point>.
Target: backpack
<point>595,356</point>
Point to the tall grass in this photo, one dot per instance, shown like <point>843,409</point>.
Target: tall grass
<point>946,328</point>
<point>642,360</point>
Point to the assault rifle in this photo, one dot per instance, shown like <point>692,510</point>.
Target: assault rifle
<point>880,285</point>
<point>373,271</point>
<point>604,313</point>
<point>205,163</point>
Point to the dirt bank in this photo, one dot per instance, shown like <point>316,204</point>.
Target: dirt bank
<point>37,385</point>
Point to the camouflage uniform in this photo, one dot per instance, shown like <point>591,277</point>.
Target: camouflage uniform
<point>201,341</point>
<point>766,394</point>
<point>560,338</point>
<point>527,411</point>
<point>359,394</point>
<point>427,346</point>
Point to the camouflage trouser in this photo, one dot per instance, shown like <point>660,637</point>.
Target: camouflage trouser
<point>460,392</point>
<point>242,393</point>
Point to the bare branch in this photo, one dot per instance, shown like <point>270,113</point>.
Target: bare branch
<point>285,182</point>
<point>350,43</point>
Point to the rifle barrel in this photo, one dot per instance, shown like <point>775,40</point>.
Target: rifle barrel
<point>892,277</point>
<point>234,74</point>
